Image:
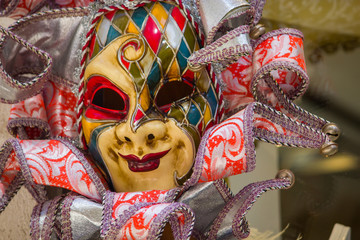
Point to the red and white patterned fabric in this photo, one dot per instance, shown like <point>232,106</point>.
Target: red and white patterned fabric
<point>136,215</point>
<point>122,201</point>
<point>225,150</point>
<point>55,107</point>
<point>60,104</point>
<point>237,79</point>
<point>10,171</point>
<point>26,7</point>
<point>148,222</point>
<point>271,49</point>
<point>33,107</point>
<point>50,163</point>
<point>73,3</point>
<point>230,143</point>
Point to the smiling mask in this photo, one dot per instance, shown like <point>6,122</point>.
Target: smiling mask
<point>144,110</point>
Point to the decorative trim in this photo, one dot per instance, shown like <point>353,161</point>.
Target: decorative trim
<point>254,191</point>
<point>290,141</point>
<point>282,31</point>
<point>16,127</point>
<point>35,222</point>
<point>308,137</point>
<point>40,53</point>
<point>243,201</point>
<point>10,192</point>
<point>9,8</point>
<point>109,227</point>
<point>169,215</point>
<point>44,75</point>
<point>101,189</point>
<point>108,200</point>
<point>275,65</point>
<point>258,6</point>
<point>223,189</point>
<point>37,80</point>
<point>49,221</point>
<point>301,114</point>
<point>249,138</point>
<point>211,34</point>
<point>199,162</point>
<point>172,194</point>
<point>211,54</point>
<point>16,183</point>
<point>53,13</point>
<point>37,191</point>
<point>241,227</point>
<point>66,231</point>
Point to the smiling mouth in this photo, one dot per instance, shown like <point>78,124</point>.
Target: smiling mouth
<point>147,163</point>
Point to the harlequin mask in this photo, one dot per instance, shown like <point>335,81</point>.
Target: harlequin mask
<point>144,110</point>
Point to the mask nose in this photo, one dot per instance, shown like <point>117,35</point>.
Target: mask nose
<point>144,110</point>
<point>146,136</point>
<point>140,117</point>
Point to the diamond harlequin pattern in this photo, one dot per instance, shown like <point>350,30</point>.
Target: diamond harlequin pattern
<point>170,40</point>
<point>165,29</point>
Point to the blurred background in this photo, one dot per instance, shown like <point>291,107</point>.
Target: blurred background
<point>326,189</point>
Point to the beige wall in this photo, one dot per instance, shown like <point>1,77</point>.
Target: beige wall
<point>265,214</point>
<point>15,219</point>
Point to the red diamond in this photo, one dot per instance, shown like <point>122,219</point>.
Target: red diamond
<point>152,34</point>
<point>200,127</point>
<point>139,115</point>
<point>189,76</point>
<point>110,15</point>
<point>179,18</point>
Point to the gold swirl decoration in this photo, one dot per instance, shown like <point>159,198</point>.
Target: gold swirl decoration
<point>131,50</point>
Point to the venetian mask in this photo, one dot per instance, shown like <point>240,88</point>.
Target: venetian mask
<point>144,110</point>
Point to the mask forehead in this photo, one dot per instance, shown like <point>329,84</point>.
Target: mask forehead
<point>169,40</point>
<point>167,33</point>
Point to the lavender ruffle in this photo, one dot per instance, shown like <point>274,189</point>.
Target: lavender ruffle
<point>235,210</point>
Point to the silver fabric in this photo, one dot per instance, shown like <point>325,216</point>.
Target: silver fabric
<point>213,12</point>
<point>194,11</point>
<point>42,218</point>
<point>225,231</point>
<point>85,217</point>
<point>60,37</point>
<point>9,94</point>
<point>43,212</point>
<point>56,33</point>
<point>206,202</point>
<point>204,199</point>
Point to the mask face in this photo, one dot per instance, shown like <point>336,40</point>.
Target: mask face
<point>144,111</point>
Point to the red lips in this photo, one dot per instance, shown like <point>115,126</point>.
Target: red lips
<point>149,162</point>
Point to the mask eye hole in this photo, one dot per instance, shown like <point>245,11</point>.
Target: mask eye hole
<point>105,101</point>
<point>171,92</point>
<point>107,98</point>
